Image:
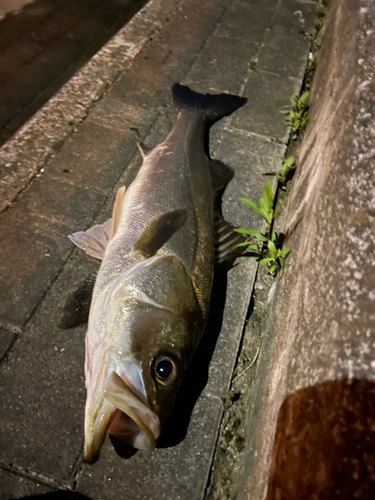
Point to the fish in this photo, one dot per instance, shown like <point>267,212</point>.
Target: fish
<point>151,296</point>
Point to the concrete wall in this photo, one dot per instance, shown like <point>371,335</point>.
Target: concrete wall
<point>314,418</point>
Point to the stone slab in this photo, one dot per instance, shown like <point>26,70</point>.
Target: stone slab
<point>235,22</point>
<point>167,61</point>
<point>178,473</point>
<point>7,339</point>
<point>13,486</point>
<point>36,245</point>
<point>284,53</point>
<point>221,66</point>
<point>43,388</point>
<point>266,94</point>
<point>96,157</point>
<point>285,15</point>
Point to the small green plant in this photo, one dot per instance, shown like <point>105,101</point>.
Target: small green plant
<point>297,114</point>
<point>266,245</point>
<point>285,173</point>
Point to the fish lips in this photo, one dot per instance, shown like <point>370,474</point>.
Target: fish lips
<point>128,420</point>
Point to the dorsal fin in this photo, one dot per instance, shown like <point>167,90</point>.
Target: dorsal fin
<point>159,230</point>
<point>143,149</point>
<point>117,210</point>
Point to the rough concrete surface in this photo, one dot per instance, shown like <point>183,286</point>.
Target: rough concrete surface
<point>81,151</point>
<point>313,431</point>
<point>44,44</point>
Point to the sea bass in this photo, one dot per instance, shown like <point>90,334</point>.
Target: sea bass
<point>151,296</point>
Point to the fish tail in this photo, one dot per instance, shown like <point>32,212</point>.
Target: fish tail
<point>213,106</point>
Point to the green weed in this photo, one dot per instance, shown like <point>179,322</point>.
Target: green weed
<point>297,114</point>
<point>285,173</point>
<point>266,245</point>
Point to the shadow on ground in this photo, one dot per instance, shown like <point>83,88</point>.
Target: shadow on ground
<point>57,495</point>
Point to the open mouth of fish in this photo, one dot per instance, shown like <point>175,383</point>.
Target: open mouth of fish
<point>125,417</point>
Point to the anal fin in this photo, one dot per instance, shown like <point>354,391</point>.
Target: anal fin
<point>226,240</point>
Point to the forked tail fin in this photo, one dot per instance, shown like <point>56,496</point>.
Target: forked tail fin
<point>213,106</point>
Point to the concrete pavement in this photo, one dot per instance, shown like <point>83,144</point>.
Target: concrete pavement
<point>254,48</point>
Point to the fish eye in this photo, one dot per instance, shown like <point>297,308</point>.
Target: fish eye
<point>165,369</point>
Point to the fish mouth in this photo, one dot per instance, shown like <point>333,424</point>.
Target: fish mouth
<point>125,417</point>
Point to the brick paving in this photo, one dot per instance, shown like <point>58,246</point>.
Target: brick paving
<point>44,44</point>
<point>251,47</point>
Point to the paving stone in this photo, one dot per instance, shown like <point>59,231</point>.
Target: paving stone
<point>9,66</point>
<point>167,60</point>
<point>97,155</point>
<point>13,486</point>
<point>285,15</point>
<point>43,386</point>
<point>221,66</point>
<point>6,340</point>
<point>244,21</point>
<point>77,10</point>
<point>284,53</point>
<point>7,112</point>
<point>178,473</point>
<point>250,157</point>
<point>25,49</point>
<point>266,94</point>
<point>36,245</point>
<point>9,32</point>
<point>269,4</point>
<point>31,14</point>
<point>92,29</point>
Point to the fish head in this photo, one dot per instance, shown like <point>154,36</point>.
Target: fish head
<point>153,325</point>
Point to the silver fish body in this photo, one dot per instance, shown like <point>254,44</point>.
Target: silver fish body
<point>151,296</point>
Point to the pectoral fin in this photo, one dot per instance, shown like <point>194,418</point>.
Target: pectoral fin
<point>94,240</point>
<point>226,240</point>
<point>159,231</point>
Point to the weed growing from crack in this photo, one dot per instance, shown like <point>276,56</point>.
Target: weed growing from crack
<point>266,245</point>
<point>297,114</point>
<point>285,173</point>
